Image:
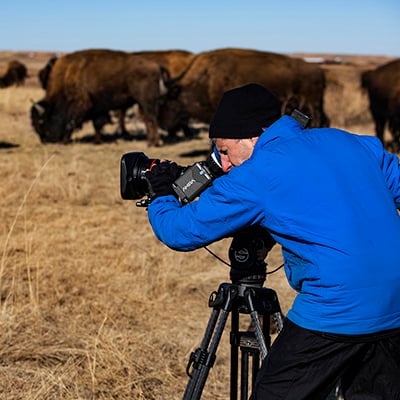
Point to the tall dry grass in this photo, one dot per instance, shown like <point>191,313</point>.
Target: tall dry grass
<point>92,306</point>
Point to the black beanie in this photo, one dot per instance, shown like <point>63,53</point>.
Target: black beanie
<point>244,112</point>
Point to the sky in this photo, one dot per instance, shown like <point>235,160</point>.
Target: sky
<point>360,27</point>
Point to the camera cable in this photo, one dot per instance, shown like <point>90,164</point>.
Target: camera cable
<point>229,265</point>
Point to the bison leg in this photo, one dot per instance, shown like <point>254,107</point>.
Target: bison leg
<point>98,123</point>
<point>395,145</point>
<point>66,139</point>
<point>394,123</point>
<point>121,122</point>
<point>153,135</point>
<point>380,127</point>
<point>379,116</point>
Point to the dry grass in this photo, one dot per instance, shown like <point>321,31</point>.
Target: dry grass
<point>92,306</point>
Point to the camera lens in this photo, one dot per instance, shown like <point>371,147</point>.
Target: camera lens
<point>133,184</point>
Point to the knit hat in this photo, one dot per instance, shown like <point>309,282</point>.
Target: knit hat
<point>244,112</point>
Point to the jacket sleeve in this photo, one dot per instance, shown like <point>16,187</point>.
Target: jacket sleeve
<point>389,164</point>
<point>206,220</point>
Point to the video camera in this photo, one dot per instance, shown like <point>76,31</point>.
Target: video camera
<point>192,181</point>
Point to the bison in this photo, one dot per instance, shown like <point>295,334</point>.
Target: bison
<point>14,73</point>
<point>383,87</point>
<point>88,84</point>
<point>200,87</point>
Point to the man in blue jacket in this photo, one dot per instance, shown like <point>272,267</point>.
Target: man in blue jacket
<point>330,199</point>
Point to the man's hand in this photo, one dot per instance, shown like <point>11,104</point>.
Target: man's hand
<point>160,178</point>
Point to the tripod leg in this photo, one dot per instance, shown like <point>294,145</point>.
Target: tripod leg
<point>248,355</point>
<point>203,358</point>
<point>234,353</point>
<point>278,321</point>
<point>244,374</point>
<point>249,351</point>
<point>256,323</point>
<point>255,368</point>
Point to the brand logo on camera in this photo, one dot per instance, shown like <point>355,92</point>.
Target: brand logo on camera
<point>187,186</point>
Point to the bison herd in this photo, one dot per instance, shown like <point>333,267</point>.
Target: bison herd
<point>173,88</point>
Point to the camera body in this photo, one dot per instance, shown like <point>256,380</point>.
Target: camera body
<point>196,178</point>
<point>192,181</point>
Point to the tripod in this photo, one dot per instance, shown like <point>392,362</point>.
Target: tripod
<point>245,295</point>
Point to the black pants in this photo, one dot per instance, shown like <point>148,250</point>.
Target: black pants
<point>303,364</point>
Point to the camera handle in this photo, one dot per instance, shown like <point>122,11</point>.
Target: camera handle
<point>234,299</point>
<point>143,202</point>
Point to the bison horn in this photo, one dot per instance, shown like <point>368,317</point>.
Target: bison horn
<point>162,87</point>
<point>40,109</point>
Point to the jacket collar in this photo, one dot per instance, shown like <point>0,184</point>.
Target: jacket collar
<point>284,127</point>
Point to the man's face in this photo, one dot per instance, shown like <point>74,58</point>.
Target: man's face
<point>234,152</point>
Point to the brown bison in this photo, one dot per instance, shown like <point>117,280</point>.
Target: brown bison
<point>297,83</point>
<point>14,73</point>
<point>88,84</point>
<point>383,87</point>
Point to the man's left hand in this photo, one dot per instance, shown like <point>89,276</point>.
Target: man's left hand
<point>160,178</point>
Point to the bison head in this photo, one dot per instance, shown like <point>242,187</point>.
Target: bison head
<point>49,125</point>
<point>172,115</point>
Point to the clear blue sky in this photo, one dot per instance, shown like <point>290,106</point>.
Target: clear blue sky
<point>365,27</point>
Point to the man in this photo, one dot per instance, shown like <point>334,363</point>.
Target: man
<point>330,199</point>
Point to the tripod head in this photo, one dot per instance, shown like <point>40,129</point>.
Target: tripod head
<point>247,253</point>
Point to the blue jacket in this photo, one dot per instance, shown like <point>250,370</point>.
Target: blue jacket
<point>330,198</point>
